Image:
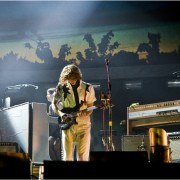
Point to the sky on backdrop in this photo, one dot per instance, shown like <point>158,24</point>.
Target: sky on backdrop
<point>66,22</point>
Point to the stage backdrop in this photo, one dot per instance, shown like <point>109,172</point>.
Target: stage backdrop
<point>139,41</point>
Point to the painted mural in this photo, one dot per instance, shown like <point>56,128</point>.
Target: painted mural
<point>50,34</point>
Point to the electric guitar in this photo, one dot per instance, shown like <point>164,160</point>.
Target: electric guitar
<point>71,117</point>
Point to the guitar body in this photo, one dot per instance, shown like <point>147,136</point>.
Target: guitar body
<point>64,125</point>
<point>71,118</point>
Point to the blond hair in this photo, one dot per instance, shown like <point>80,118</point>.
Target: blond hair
<point>70,72</point>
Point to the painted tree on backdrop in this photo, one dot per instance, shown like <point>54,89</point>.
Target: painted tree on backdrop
<point>93,56</point>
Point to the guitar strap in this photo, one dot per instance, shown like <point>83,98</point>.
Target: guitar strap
<point>87,85</point>
<point>77,97</point>
<point>76,94</point>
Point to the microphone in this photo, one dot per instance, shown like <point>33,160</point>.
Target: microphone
<point>36,87</point>
<point>30,85</point>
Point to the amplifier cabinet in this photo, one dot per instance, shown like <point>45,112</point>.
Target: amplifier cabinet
<point>135,143</point>
<point>28,125</point>
<point>9,147</point>
<point>174,144</point>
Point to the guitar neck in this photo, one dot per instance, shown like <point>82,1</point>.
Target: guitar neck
<point>91,108</point>
<point>74,114</point>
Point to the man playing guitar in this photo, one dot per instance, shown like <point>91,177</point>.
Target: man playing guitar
<point>73,95</point>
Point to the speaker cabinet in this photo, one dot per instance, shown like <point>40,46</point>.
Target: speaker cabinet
<point>9,147</point>
<point>174,143</point>
<point>135,143</point>
<point>14,165</point>
<point>133,157</point>
<point>103,165</point>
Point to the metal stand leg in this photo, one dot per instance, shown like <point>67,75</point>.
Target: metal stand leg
<point>61,151</point>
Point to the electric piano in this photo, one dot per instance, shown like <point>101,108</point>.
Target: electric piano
<point>151,115</point>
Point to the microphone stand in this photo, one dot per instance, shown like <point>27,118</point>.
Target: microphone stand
<point>109,98</point>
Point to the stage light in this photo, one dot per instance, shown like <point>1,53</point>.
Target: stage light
<point>133,84</point>
<point>173,83</point>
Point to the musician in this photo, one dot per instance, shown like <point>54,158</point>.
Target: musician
<point>49,97</point>
<point>54,130</point>
<point>71,97</point>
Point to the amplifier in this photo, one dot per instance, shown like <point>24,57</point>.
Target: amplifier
<point>8,147</point>
<point>14,165</point>
<point>135,143</point>
<point>174,144</point>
